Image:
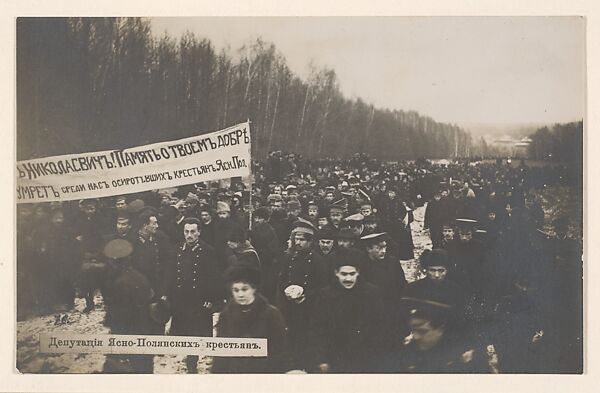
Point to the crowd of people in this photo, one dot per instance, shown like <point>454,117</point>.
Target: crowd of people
<point>310,257</point>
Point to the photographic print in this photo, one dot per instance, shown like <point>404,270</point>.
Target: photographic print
<point>319,195</point>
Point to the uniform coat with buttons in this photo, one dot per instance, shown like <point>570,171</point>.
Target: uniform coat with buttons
<point>193,280</point>
<point>308,270</point>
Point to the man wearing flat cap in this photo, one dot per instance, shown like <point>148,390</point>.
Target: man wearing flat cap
<point>302,273</point>
<point>312,212</point>
<point>347,320</point>
<point>437,344</point>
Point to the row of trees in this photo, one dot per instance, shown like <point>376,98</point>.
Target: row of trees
<point>561,143</point>
<point>86,84</point>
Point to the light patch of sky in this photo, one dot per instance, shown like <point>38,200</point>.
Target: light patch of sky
<point>453,69</point>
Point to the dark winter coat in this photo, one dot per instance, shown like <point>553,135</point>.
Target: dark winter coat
<point>468,260</point>
<point>260,320</point>
<point>388,276</point>
<point>267,245</point>
<point>151,257</point>
<point>127,295</point>
<point>58,257</point>
<point>346,328</point>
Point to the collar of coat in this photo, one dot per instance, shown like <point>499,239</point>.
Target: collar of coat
<point>195,247</point>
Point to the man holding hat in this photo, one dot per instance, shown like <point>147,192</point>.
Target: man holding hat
<point>346,322</point>
<point>302,273</point>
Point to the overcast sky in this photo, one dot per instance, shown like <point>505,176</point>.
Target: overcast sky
<point>458,70</point>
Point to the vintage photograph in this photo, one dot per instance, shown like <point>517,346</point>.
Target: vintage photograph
<point>371,195</point>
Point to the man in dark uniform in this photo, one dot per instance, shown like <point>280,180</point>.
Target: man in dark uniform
<point>303,272</point>
<point>346,322</point>
<point>195,287</point>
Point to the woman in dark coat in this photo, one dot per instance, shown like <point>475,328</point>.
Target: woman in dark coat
<point>249,314</point>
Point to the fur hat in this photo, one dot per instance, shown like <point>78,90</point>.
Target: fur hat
<point>243,273</point>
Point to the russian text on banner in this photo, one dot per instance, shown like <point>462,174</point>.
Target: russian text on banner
<point>217,155</point>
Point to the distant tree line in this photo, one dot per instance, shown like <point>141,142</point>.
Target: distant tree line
<point>86,84</point>
<point>561,142</point>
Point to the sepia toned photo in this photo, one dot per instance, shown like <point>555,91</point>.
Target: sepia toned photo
<point>319,195</point>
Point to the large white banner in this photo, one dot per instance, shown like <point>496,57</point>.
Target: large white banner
<point>218,155</point>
